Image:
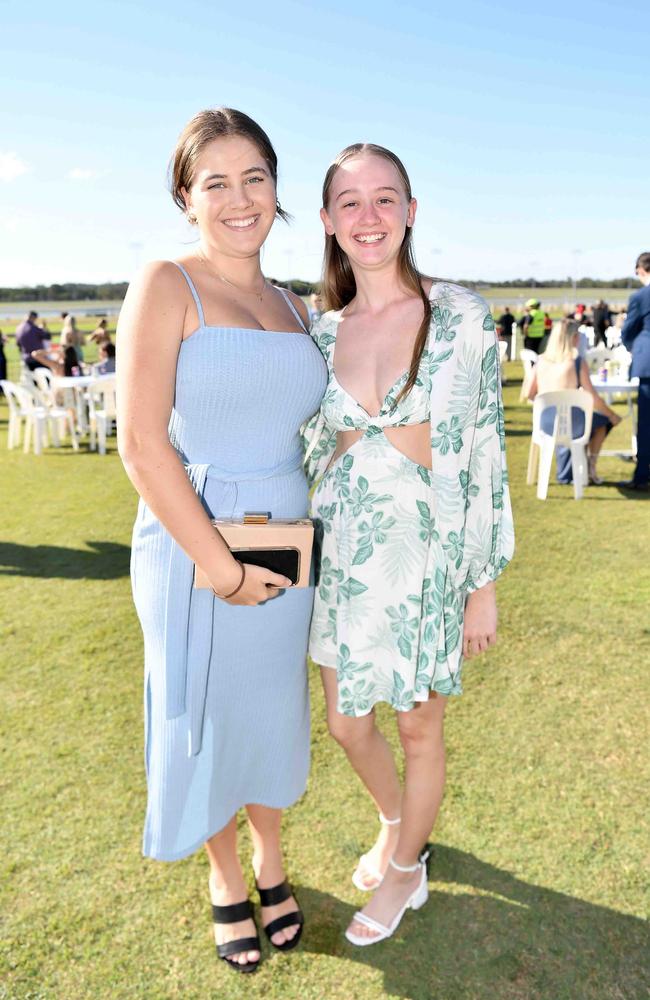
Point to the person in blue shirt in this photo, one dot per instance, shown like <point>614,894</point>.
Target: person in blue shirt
<point>30,337</point>
<point>635,335</point>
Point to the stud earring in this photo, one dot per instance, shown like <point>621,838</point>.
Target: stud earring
<point>191,219</point>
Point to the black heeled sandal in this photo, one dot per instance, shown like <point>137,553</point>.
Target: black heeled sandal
<point>232,915</point>
<point>271,897</point>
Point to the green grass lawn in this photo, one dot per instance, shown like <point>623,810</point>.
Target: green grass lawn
<point>540,873</point>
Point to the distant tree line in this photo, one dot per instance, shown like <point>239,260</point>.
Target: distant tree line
<point>559,283</point>
<point>72,291</point>
<point>75,292</point>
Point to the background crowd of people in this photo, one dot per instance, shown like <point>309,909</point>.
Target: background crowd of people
<point>65,358</point>
<point>535,324</point>
<point>561,345</point>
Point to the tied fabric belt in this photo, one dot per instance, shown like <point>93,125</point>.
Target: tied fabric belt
<point>189,613</point>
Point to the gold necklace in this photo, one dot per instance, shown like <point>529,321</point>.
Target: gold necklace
<point>245,291</point>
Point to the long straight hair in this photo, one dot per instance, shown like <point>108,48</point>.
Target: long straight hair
<point>560,343</point>
<point>339,286</point>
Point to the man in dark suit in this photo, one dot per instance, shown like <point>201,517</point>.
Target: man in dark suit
<point>635,335</point>
<point>602,322</point>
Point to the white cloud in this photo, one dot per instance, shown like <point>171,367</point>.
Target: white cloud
<point>83,174</point>
<point>11,166</point>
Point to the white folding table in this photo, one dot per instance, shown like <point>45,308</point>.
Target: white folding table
<point>627,387</point>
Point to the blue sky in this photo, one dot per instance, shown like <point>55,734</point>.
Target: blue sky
<point>525,132</point>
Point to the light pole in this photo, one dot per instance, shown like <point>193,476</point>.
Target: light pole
<point>533,264</point>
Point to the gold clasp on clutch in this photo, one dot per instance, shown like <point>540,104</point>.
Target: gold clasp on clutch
<point>256,518</point>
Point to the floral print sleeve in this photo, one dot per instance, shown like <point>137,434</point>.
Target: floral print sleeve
<point>468,448</point>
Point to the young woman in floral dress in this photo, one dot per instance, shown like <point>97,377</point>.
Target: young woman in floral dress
<point>412,507</point>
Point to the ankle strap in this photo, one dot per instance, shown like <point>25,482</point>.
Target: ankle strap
<point>275,895</point>
<point>405,868</point>
<point>423,857</point>
<point>389,822</point>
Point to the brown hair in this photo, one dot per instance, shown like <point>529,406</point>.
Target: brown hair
<point>204,127</point>
<point>643,261</point>
<point>339,286</point>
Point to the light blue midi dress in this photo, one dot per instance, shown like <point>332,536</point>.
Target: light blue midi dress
<point>226,697</point>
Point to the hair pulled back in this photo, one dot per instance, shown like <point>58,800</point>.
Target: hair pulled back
<point>205,127</point>
<point>339,286</point>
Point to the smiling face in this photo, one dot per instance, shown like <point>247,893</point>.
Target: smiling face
<point>368,211</point>
<point>232,196</point>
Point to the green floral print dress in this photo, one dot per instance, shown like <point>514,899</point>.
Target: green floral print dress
<point>401,546</point>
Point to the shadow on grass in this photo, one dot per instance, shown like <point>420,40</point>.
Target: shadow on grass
<point>589,497</point>
<point>512,940</point>
<point>104,561</point>
<point>631,494</point>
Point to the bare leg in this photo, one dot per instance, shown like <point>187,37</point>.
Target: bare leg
<point>596,441</point>
<point>421,734</point>
<point>265,825</point>
<point>227,886</point>
<point>372,758</point>
<point>595,444</point>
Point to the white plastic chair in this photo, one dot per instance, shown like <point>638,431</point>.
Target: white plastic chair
<point>589,334</point>
<point>23,405</point>
<point>542,445</point>
<point>528,360</point>
<point>16,413</point>
<point>27,380</point>
<point>42,378</point>
<point>101,411</point>
<point>61,419</point>
<point>514,342</point>
<point>503,352</point>
<point>74,400</point>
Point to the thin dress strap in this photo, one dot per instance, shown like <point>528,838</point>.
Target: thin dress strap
<point>195,294</point>
<point>292,307</point>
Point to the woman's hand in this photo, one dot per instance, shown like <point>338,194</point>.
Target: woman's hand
<point>480,631</point>
<point>258,585</point>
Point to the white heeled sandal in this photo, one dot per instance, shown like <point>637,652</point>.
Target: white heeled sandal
<point>366,867</point>
<point>416,900</point>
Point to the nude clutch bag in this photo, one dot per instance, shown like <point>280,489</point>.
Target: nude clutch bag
<point>284,546</point>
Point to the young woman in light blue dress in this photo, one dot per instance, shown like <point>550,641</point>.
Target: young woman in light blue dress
<point>216,375</point>
<point>413,508</point>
